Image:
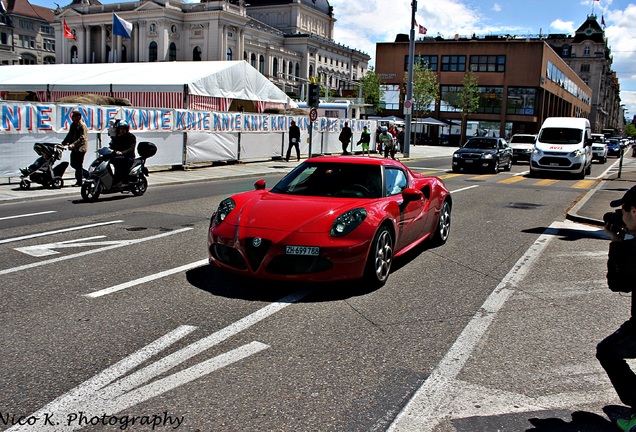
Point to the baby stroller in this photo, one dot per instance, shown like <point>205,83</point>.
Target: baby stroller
<point>42,171</point>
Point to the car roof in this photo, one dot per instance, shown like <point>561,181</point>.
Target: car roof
<point>356,160</point>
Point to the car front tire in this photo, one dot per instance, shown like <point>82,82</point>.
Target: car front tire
<point>380,258</point>
<point>443,225</point>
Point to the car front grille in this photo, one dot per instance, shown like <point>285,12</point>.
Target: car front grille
<point>256,249</point>
<point>470,155</point>
<point>228,256</point>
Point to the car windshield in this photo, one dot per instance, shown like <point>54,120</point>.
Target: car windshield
<point>481,143</point>
<point>561,136</point>
<point>522,139</point>
<point>333,180</point>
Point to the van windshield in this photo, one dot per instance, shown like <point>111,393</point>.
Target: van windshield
<point>561,136</point>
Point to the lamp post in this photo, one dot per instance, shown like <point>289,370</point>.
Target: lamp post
<point>409,83</point>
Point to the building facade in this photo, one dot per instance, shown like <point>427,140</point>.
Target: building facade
<point>521,81</point>
<point>287,41</point>
<point>27,35</point>
<point>588,54</point>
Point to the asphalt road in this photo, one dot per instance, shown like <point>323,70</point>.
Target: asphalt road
<point>110,313</point>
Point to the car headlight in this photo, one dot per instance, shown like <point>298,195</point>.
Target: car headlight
<point>225,207</point>
<point>577,153</point>
<point>456,155</point>
<point>347,222</point>
<point>486,156</point>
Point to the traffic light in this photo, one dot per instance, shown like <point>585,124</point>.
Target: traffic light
<point>313,96</point>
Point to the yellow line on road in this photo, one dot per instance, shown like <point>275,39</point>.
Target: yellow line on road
<point>446,176</point>
<point>584,184</point>
<point>509,180</point>
<point>545,182</point>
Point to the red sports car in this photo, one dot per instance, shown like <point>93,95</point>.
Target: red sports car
<point>331,218</point>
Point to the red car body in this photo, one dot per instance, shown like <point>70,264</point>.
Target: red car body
<point>293,231</point>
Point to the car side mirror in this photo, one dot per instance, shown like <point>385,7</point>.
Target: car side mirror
<point>412,194</point>
<point>259,185</point>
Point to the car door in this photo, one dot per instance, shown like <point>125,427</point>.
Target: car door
<point>410,219</point>
<point>505,152</point>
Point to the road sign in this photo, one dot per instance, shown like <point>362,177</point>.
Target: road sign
<point>313,114</point>
<point>408,104</point>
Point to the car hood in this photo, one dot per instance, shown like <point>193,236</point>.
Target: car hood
<point>289,213</point>
<point>476,150</point>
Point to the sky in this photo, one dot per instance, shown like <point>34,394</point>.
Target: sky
<point>362,23</point>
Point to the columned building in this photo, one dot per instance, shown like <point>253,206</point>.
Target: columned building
<point>27,35</point>
<point>287,41</point>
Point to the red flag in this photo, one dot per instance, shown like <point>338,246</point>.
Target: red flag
<point>67,31</point>
<point>603,21</point>
<point>420,29</point>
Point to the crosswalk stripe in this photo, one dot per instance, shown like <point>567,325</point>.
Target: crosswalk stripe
<point>545,182</point>
<point>446,176</point>
<point>583,184</point>
<point>511,180</point>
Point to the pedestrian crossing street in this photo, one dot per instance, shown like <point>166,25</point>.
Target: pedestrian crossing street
<point>520,178</point>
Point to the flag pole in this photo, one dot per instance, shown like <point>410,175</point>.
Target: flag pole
<point>409,83</point>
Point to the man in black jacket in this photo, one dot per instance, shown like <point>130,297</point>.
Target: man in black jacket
<point>621,277</point>
<point>294,140</point>
<point>124,147</point>
<point>345,138</point>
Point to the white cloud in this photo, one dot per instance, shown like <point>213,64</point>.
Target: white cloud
<point>560,26</point>
<point>496,7</point>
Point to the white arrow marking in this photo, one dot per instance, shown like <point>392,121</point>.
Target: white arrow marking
<point>42,234</point>
<point>107,394</point>
<point>48,249</point>
<point>102,249</point>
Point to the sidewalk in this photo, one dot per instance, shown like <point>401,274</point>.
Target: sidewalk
<point>616,181</point>
<point>12,192</point>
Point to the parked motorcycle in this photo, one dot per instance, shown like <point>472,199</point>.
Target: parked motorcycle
<point>100,174</point>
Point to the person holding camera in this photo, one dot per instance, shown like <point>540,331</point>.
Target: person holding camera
<point>621,277</point>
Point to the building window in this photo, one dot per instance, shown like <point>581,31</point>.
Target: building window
<point>586,51</point>
<point>425,61</point>
<point>173,28</point>
<point>311,71</point>
<point>27,41</point>
<point>47,29</point>
<point>483,63</point>
<point>49,60</point>
<point>4,38</point>
<point>48,45</point>
<point>521,100</point>
<point>228,54</point>
<point>391,96</point>
<point>297,71</point>
<point>275,67</point>
<point>585,67</point>
<point>450,98</point>
<point>490,100</point>
<point>27,59</point>
<point>196,53</point>
<point>124,54</point>
<point>152,52</point>
<point>454,63</point>
<point>253,60</point>
<point>261,64</point>
<point>27,25</point>
<point>565,51</point>
<point>73,54</point>
<point>153,28</point>
<point>172,52</point>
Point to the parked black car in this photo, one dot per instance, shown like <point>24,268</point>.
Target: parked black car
<point>483,154</point>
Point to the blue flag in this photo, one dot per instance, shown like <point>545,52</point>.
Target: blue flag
<point>121,27</point>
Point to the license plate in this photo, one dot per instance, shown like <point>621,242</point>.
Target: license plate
<point>554,164</point>
<point>302,250</point>
<point>468,161</point>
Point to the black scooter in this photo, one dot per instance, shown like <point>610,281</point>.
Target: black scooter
<point>100,174</point>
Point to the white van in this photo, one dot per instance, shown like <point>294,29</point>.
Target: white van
<point>564,144</point>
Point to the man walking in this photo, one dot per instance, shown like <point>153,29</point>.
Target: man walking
<point>294,140</point>
<point>77,141</point>
<point>345,138</point>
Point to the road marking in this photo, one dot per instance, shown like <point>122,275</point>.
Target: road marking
<point>48,249</point>
<point>90,252</point>
<point>145,279</point>
<point>510,180</point>
<point>27,215</point>
<point>463,189</point>
<point>545,182</point>
<point>423,412</point>
<point>583,184</point>
<point>447,176</point>
<point>46,233</point>
<point>109,392</point>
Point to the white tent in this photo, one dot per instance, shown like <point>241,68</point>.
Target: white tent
<point>193,85</point>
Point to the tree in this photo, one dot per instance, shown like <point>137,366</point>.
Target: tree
<point>425,90</point>
<point>468,100</point>
<point>630,130</point>
<point>372,93</point>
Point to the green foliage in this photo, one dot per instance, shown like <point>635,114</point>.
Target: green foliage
<point>469,95</point>
<point>425,89</point>
<point>630,129</point>
<point>372,93</point>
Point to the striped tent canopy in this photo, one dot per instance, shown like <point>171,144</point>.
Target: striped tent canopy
<point>187,85</point>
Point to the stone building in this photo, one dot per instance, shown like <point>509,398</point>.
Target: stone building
<point>27,35</point>
<point>287,41</point>
<point>588,54</point>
